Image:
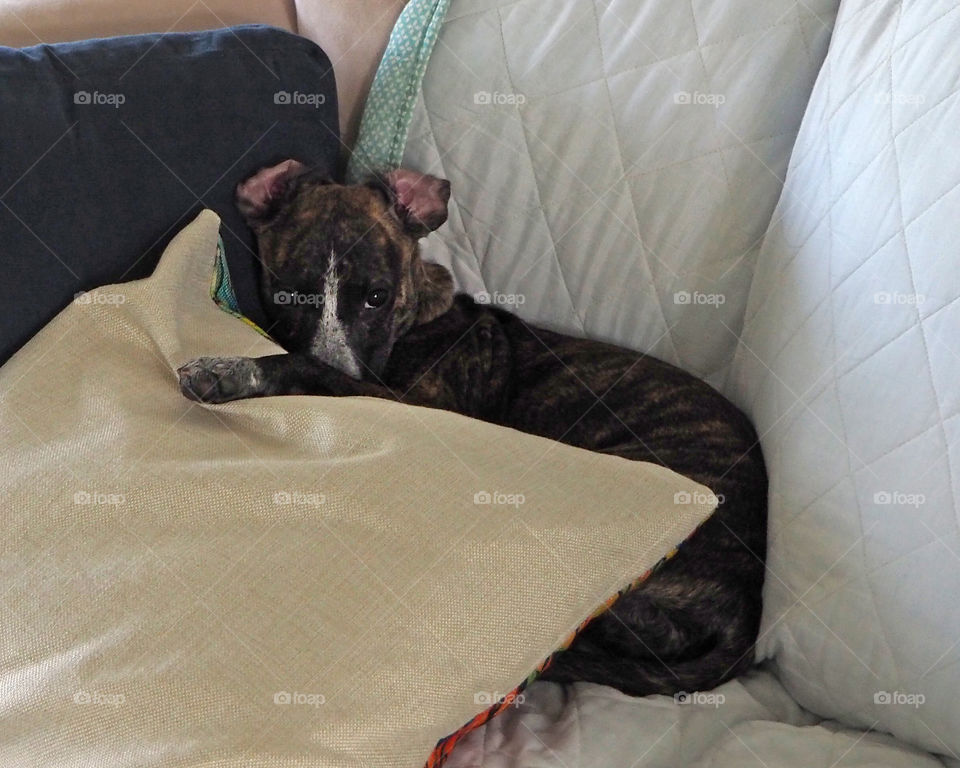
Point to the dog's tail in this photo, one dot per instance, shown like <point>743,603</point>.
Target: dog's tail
<point>678,632</point>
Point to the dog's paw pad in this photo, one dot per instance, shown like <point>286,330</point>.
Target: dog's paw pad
<point>217,379</point>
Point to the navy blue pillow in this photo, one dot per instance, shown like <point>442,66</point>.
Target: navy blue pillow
<point>109,147</point>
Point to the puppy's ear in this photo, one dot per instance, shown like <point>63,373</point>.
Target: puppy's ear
<point>435,292</point>
<point>258,198</point>
<point>419,200</point>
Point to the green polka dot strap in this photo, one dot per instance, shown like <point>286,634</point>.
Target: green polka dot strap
<point>389,108</point>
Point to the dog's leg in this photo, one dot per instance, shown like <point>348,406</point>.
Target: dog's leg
<point>222,379</point>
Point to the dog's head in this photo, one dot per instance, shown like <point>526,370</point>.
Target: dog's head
<point>342,276</point>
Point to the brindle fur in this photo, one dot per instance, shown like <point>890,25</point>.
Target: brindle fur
<point>692,624</point>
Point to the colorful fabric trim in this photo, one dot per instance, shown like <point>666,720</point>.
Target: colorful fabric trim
<point>221,289</point>
<point>445,745</point>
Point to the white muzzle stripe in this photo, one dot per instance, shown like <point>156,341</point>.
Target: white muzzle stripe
<point>330,343</point>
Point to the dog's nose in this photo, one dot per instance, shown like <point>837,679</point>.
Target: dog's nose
<point>445,190</point>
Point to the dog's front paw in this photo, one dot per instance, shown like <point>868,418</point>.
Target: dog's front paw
<point>219,379</point>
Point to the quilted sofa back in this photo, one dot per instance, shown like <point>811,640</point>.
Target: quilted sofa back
<point>616,164</point>
<point>848,363</point>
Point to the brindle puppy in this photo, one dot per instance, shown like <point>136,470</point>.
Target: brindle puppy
<point>382,322</point>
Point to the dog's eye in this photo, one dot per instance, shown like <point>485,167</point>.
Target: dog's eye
<point>377,298</point>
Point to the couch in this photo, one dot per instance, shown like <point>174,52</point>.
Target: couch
<point>765,195</point>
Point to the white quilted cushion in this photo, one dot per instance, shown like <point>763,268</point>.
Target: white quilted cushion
<point>750,722</point>
<point>849,363</point>
<point>586,188</point>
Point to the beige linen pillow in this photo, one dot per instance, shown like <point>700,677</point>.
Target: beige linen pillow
<point>298,581</point>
